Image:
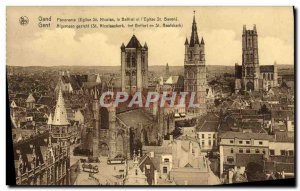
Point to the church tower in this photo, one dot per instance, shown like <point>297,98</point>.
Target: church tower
<point>195,70</point>
<point>134,66</point>
<point>250,63</point>
<point>167,70</point>
<point>96,112</point>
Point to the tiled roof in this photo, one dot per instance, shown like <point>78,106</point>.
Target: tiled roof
<point>241,135</point>
<point>266,68</point>
<point>209,126</point>
<point>45,100</point>
<point>30,99</point>
<point>172,80</point>
<point>135,117</point>
<point>21,96</point>
<point>284,137</point>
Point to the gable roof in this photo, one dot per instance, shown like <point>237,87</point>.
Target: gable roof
<point>209,126</point>
<point>134,43</point>
<point>30,99</point>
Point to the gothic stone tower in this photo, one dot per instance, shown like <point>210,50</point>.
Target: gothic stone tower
<point>195,70</point>
<point>134,66</point>
<point>105,130</point>
<point>250,64</point>
<point>96,120</point>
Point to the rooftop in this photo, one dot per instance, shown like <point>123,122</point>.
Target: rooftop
<point>245,136</point>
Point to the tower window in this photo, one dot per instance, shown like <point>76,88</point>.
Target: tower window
<point>191,55</point>
<point>133,62</point>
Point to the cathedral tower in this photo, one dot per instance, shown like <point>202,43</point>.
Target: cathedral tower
<point>195,70</point>
<point>134,66</point>
<point>250,63</point>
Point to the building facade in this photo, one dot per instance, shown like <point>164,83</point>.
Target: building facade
<point>134,66</point>
<point>38,164</point>
<point>195,70</point>
<point>232,144</point>
<point>251,76</point>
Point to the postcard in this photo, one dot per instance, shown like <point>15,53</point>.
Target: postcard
<point>150,96</point>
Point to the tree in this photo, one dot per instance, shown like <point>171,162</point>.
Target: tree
<point>264,110</point>
<point>255,172</point>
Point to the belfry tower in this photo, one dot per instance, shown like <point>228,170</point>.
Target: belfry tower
<point>96,120</point>
<point>250,64</point>
<point>134,66</point>
<point>195,70</point>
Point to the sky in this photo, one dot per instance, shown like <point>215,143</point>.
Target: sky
<point>221,28</point>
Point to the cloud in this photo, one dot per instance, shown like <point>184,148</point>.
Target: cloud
<point>274,49</point>
<point>60,47</point>
<point>222,47</point>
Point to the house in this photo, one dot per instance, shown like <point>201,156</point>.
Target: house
<point>179,161</point>
<point>135,176</point>
<point>233,143</point>
<point>207,134</point>
<point>174,83</point>
<point>282,144</point>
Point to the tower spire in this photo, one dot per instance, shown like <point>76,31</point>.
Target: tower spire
<point>194,37</point>
<point>60,114</point>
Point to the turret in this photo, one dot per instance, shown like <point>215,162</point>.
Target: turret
<point>202,41</point>
<point>186,42</point>
<point>123,47</point>
<point>145,46</point>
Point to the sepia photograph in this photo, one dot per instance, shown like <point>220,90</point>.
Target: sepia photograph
<point>150,96</point>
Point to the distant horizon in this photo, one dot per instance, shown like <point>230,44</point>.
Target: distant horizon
<point>149,65</point>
